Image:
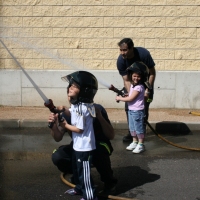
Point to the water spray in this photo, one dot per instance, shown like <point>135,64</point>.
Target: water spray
<point>47,102</point>
<point>67,62</point>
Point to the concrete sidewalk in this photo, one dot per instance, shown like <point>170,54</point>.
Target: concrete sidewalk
<point>160,119</point>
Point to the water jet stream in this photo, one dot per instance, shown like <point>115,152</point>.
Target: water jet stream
<point>69,62</point>
<point>46,100</point>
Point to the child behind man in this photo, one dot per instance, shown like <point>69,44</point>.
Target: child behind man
<point>81,91</point>
<point>138,75</point>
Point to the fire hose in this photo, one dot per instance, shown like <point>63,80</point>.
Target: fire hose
<point>119,92</point>
<point>194,113</point>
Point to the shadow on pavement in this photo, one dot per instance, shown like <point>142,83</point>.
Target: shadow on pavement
<point>172,127</point>
<point>131,177</point>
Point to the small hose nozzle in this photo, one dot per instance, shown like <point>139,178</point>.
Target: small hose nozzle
<point>113,89</point>
<point>50,105</point>
<point>119,92</point>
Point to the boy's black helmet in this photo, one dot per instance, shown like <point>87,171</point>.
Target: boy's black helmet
<point>142,69</point>
<point>88,85</point>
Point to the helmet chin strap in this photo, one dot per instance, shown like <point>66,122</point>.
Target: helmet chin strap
<point>78,100</point>
<point>74,101</point>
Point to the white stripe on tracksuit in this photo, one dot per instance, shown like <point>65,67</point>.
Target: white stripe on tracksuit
<point>88,188</point>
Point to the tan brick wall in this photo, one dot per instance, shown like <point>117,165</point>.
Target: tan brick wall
<point>42,33</point>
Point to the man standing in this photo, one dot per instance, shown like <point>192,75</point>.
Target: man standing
<point>128,55</point>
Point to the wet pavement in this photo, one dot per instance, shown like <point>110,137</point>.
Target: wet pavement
<point>161,172</point>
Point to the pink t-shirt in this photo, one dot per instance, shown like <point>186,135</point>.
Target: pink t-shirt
<point>138,103</point>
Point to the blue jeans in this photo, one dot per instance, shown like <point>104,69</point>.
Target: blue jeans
<point>136,121</point>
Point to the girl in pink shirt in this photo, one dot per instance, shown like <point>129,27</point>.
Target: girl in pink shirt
<point>137,74</point>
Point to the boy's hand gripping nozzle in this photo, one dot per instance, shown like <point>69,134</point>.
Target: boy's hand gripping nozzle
<point>53,109</point>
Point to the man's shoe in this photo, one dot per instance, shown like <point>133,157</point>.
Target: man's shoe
<point>128,138</point>
<point>131,146</point>
<point>139,149</point>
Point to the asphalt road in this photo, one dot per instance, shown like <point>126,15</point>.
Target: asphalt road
<point>162,172</point>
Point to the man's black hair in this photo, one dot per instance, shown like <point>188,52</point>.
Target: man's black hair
<point>127,41</point>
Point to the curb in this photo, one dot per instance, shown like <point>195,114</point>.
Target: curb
<point>165,126</point>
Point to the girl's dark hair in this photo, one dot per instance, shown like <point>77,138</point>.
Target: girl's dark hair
<point>127,41</point>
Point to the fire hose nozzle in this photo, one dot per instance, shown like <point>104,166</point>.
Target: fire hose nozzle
<point>119,92</point>
<point>53,109</point>
<point>112,87</point>
<point>50,105</point>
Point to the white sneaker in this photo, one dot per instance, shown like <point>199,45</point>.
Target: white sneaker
<point>139,149</point>
<point>131,146</point>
